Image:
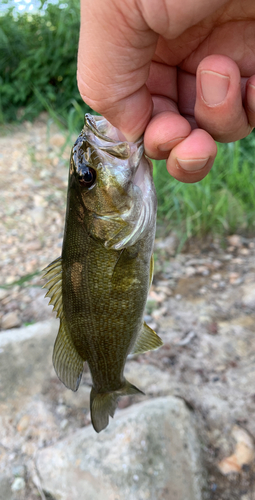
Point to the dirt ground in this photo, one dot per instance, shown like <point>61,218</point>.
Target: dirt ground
<point>202,303</point>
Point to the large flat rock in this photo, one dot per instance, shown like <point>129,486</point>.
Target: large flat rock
<point>25,359</point>
<point>149,451</point>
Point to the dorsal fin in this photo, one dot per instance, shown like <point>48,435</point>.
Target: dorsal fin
<point>147,340</point>
<point>54,285</point>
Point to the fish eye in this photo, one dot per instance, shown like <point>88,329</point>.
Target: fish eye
<point>88,178</point>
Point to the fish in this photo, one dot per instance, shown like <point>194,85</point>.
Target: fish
<point>99,284</point>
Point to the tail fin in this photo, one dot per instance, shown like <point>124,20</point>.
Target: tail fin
<point>104,404</point>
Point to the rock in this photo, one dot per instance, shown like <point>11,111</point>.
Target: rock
<point>150,451</point>
<point>148,378</point>
<point>11,320</point>
<point>25,356</point>
<point>5,488</point>
<point>19,470</point>
<point>248,295</point>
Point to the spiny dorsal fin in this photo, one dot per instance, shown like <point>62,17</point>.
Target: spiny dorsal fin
<point>53,268</point>
<point>146,341</point>
<point>54,285</point>
<point>66,360</point>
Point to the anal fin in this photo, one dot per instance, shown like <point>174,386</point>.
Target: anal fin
<point>67,362</point>
<point>147,340</point>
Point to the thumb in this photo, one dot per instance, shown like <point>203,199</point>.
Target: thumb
<point>115,50</point>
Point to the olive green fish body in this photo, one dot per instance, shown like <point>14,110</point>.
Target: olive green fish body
<point>100,284</point>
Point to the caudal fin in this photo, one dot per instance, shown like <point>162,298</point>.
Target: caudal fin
<point>104,404</point>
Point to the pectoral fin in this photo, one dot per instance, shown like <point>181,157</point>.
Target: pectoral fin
<point>146,341</point>
<point>151,269</point>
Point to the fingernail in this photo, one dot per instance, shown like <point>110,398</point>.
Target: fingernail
<point>214,87</point>
<point>192,165</point>
<point>167,146</point>
<point>251,97</point>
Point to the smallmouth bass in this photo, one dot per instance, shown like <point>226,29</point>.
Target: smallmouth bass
<point>100,283</point>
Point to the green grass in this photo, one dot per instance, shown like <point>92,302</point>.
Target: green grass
<point>222,203</point>
<point>21,281</point>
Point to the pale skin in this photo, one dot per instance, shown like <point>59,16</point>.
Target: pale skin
<point>181,72</point>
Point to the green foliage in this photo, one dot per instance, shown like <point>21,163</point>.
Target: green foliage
<point>38,72</point>
<point>38,62</point>
<point>223,202</point>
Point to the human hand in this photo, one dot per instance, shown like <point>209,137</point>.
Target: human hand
<point>181,73</point>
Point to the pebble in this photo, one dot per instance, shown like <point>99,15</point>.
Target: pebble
<point>190,271</point>
<point>244,251</point>
<point>37,215</point>
<point>235,240</point>
<point>233,277</point>
<point>203,270</point>
<point>216,277</point>
<point>19,470</point>
<point>18,484</point>
<point>23,423</point>
<point>10,320</point>
<point>157,296</point>
<point>3,293</point>
<point>157,313</point>
<point>11,279</point>
<point>248,295</point>
<point>64,424</point>
<point>187,339</point>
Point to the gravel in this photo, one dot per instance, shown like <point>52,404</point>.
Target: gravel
<point>201,303</point>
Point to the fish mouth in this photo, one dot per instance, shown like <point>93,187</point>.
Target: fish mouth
<point>107,138</point>
<point>144,168</point>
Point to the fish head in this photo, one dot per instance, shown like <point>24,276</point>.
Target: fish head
<point>113,182</point>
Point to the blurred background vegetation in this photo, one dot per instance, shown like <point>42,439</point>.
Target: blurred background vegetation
<point>38,50</point>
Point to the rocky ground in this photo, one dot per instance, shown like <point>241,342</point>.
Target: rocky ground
<point>202,304</point>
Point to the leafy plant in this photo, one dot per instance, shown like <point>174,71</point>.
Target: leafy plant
<point>38,62</point>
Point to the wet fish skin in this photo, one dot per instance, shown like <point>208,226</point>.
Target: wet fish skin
<point>99,286</point>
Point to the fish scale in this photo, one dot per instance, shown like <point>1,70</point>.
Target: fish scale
<point>99,286</point>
